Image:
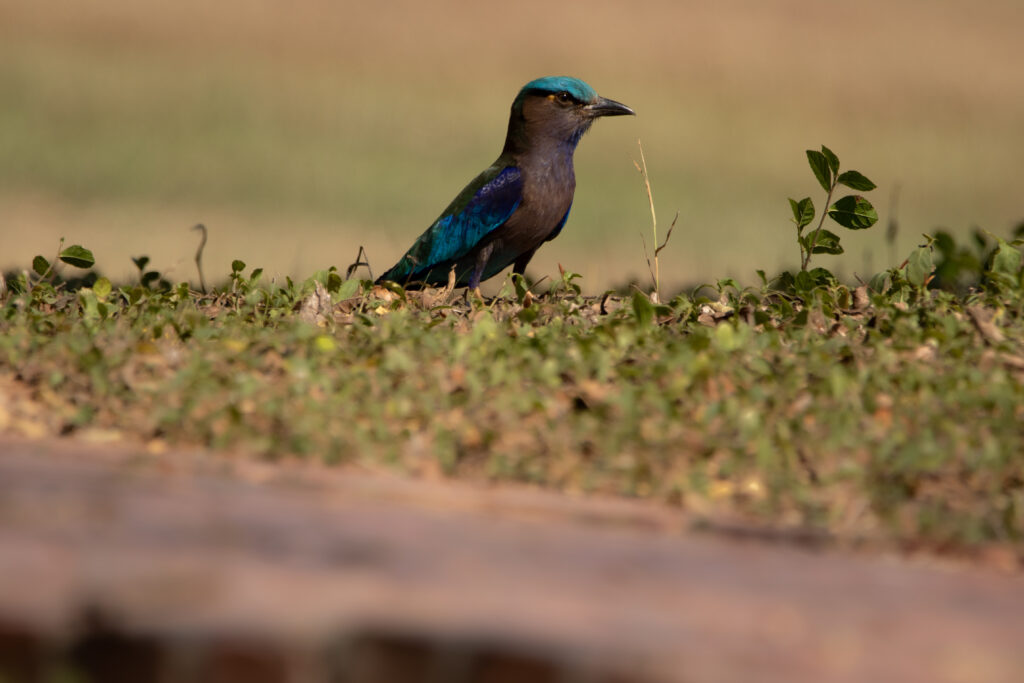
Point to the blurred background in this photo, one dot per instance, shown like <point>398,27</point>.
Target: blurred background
<point>299,131</point>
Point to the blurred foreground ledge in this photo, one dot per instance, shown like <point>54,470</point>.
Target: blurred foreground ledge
<point>118,565</point>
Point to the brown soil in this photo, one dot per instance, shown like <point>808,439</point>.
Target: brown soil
<point>126,565</point>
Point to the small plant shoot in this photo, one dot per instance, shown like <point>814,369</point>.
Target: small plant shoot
<point>853,212</point>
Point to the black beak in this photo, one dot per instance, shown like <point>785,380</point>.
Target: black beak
<point>606,107</point>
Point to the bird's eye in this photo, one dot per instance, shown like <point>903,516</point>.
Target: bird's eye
<point>564,97</point>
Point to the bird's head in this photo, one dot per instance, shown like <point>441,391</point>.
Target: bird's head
<point>557,109</point>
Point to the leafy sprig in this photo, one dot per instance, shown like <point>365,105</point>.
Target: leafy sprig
<point>853,212</point>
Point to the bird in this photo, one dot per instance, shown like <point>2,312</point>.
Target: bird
<point>520,201</point>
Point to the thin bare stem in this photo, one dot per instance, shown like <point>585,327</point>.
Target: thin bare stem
<point>892,228</point>
<point>647,256</point>
<point>642,168</point>
<point>362,259</point>
<point>817,231</point>
<point>668,235</point>
<point>199,255</point>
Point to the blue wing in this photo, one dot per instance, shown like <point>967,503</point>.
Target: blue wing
<point>482,207</point>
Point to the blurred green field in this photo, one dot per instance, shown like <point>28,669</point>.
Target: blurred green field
<point>297,133</point>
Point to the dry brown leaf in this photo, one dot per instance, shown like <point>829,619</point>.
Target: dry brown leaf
<point>983,319</point>
<point>861,300</point>
<point>315,308</point>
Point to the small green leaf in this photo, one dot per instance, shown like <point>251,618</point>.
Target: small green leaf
<point>1006,260</point>
<point>141,262</point>
<point>348,289</point>
<point>919,266</point>
<point>819,164</point>
<point>643,309</point>
<point>727,282</point>
<point>803,211</point>
<point>237,266</point>
<point>853,212</point>
<point>40,266</point>
<point>823,276</point>
<point>826,242</point>
<point>783,281</point>
<point>519,284</point>
<point>783,306</point>
<point>77,256</point>
<point>102,288</point>
<point>804,282</point>
<point>880,283</point>
<point>333,282</point>
<point>856,181</point>
<point>90,304</point>
<point>833,160</point>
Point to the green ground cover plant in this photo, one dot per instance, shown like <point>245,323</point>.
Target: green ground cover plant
<point>888,411</point>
